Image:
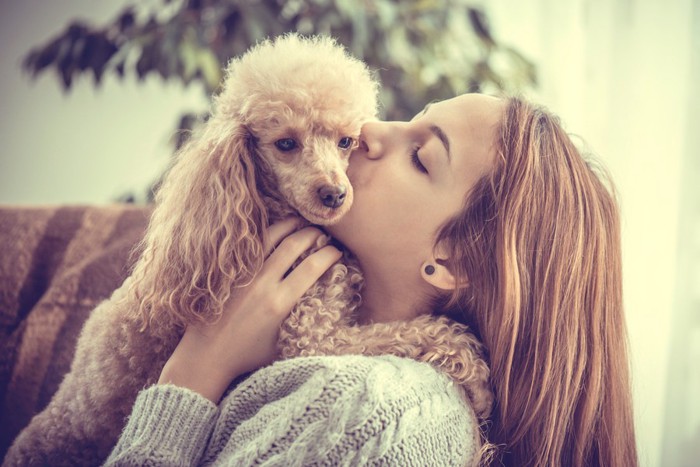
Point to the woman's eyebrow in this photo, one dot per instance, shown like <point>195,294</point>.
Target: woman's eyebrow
<point>437,131</point>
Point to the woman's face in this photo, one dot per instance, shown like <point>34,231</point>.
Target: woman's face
<point>410,177</point>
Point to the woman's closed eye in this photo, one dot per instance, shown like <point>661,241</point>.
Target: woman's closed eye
<point>416,161</point>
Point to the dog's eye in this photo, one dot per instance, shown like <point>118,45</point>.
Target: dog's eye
<point>286,144</point>
<point>345,142</point>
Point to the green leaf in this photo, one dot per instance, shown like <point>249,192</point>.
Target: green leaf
<point>421,50</point>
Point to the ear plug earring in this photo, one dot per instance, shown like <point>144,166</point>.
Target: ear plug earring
<point>429,269</point>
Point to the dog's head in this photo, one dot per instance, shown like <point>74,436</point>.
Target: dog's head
<point>303,102</point>
<point>288,115</point>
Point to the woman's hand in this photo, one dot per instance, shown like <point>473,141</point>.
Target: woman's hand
<point>209,357</point>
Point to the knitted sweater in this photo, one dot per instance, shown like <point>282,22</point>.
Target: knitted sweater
<point>328,410</point>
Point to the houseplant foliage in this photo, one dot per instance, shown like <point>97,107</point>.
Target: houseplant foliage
<point>423,50</point>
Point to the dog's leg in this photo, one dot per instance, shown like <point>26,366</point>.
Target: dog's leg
<point>328,305</point>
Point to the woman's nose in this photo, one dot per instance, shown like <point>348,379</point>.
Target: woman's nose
<point>375,137</point>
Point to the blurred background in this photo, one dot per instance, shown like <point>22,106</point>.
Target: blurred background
<point>95,96</point>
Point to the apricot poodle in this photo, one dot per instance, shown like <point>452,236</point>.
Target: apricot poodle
<point>277,144</point>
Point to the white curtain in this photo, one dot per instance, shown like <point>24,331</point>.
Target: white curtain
<point>624,75</point>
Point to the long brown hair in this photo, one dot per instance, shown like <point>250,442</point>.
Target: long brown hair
<point>539,243</point>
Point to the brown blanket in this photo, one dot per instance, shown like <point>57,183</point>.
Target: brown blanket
<point>56,265</point>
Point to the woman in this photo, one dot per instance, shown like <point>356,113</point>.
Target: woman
<point>479,208</point>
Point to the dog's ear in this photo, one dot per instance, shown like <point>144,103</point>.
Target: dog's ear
<point>206,232</point>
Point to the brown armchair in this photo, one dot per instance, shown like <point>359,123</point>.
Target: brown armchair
<point>56,265</point>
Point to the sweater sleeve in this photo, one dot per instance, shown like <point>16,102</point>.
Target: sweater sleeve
<point>350,411</point>
<point>168,425</point>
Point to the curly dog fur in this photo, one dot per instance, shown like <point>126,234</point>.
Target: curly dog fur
<point>231,180</point>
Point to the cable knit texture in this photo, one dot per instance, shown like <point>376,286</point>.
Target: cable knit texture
<point>328,410</point>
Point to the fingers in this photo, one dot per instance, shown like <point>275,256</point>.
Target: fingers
<point>278,231</point>
<point>288,287</point>
<point>288,250</point>
<point>309,271</point>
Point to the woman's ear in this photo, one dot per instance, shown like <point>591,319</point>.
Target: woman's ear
<point>438,275</point>
<point>436,272</point>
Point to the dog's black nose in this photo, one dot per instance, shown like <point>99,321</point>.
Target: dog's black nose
<point>332,196</point>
